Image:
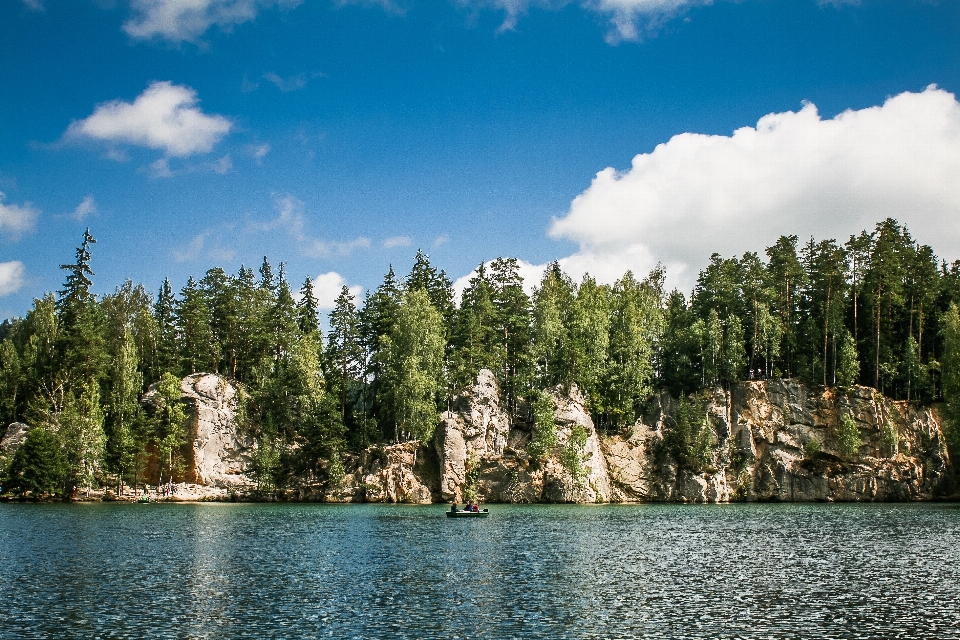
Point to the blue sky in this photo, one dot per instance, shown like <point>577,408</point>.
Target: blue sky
<point>340,137</point>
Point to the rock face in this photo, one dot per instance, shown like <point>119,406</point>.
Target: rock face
<point>217,454</point>
<point>761,441</point>
<point>13,438</point>
<point>479,453</point>
<point>397,473</point>
<point>473,432</point>
<point>761,451</point>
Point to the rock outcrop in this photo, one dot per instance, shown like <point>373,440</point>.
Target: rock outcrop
<point>482,456</point>
<point>776,440</point>
<point>218,453</point>
<point>761,441</point>
<point>473,432</point>
<point>13,438</point>
<point>398,473</point>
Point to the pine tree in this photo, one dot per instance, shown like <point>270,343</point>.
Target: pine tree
<point>307,309</point>
<point>512,324</point>
<point>81,340</point>
<point>196,335</point>
<point>344,351</point>
<point>588,321</point>
<point>412,361</point>
<point>787,276</point>
<point>165,315</point>
<point>549,330</point>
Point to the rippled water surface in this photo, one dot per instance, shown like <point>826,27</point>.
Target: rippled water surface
<point>377,571</point>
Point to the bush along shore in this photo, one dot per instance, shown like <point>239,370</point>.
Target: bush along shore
<point>821,371</point>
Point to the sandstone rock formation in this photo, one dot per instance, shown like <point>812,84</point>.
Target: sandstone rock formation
<point>769,440</point>
<point>397,473</point>
<point>762,451</point>
<point>218,453</point>
<point>473,432</point>
<point>13,438</point>
<point>479,453</point>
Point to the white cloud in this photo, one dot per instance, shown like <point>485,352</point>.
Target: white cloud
<point>397,241</point>
<point>199,247</point>
<point>293,83</point>
<point>794,173</point>
<point>85,209</point>
<point>187,20</point>
<point>327,287</point>
<point>34,5</point>
<point>628,18</point>
<point>222,166</point>
<point>441,240</point>
<point>164,117</point>
<point>11,277</point>
<point>16,219</point>
<point>292,221</point>
<point>259,151</point>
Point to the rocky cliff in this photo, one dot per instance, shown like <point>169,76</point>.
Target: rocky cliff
<point>761,441</point>
<point>778,440</point>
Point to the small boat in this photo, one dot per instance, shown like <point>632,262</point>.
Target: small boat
<point>483,513</point>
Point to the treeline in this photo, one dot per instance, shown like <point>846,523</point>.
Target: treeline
<point>879,309</point>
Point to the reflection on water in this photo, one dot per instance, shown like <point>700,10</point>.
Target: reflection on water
<point>377,571</point>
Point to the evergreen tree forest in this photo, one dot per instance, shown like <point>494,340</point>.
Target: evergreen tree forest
<point>878,309</point>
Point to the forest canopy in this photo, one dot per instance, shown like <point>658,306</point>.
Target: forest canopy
<point>879,309</point>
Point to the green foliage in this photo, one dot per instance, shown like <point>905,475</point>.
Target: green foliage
<point>413,371</point>
<point>267,465</point>
<point>848,365</point>
<point>691,437</point>
<point>950,375</point>
<point>571,454</point>
<point>169,426</point>
<point>336,473</point>
<point>544,439</point>
<point>38,466</point>
<point>81,433</point>
<point>848,436</point>
<point>812,449</point>
<point>471,482</point>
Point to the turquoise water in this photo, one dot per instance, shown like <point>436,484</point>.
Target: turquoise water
<point>379,571</point>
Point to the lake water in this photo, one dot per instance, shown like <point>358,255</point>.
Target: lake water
<point>379,571</point>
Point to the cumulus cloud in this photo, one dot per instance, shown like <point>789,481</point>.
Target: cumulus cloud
<point>628,18</point>
<point>85,209</point>
<point>794,173</point>
<point>11,277</point>
<point>327,287</point>
<point>186,20</point>
<point>164,117</point>
<point>16,219</point>
<point>398,241</point>
<point>290,220</point>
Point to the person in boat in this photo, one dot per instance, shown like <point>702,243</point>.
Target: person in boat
<point>453,507</point>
